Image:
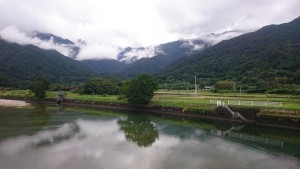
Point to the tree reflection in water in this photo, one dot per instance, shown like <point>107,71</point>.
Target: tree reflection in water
<point>139,129</point>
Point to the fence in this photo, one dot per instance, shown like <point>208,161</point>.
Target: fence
<point>249,103</point>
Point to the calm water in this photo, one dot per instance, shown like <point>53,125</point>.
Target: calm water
<point>49,137</point>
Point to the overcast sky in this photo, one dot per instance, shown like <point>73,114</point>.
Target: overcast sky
<point>108,25</point>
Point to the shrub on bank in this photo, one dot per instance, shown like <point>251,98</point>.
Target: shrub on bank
<point>279,116</point>
<point>282,91</point>
<point>256,90</point>
<point>193,110</point>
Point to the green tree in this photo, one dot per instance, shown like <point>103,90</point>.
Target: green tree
<point>225,85</point>
<point>100,86</point>
<point>140,90</point>
<point>39,87</point>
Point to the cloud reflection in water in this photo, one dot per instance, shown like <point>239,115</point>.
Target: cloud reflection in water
<point>101,144</point>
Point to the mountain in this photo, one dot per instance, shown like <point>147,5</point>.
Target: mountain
<point>66,44</point>
<point>133,61</point>
<point>21,64</point>
<point>56,39</point>
<point>269,55</point>
<point>166,54</point>
<point>105,66</point>
<point>130,55</point>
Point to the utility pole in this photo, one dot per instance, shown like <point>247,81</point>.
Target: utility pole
<point>240,89</point>
<point>196,85</point>
<point>188,87</point>
<point>234,89</point>
<point>165,87</point>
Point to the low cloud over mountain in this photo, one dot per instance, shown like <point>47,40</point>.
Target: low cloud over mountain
<point>41,40</point>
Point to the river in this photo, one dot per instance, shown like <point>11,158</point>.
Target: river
<point>53,137</point>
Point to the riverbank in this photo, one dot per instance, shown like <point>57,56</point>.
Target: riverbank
<point>13,103</point>
<point>220,114</point>
<point>188,106</point>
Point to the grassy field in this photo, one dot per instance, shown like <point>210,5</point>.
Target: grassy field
<point>199,103</point>
<point>204,97</point>
<point>201,100</point>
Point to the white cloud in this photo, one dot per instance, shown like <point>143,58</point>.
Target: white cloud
<point>193,46</point>
<point>14,35</point>
<point>117,23</point>
<point>216,38</point>
<point>136,54</point>
<point>94,51</point>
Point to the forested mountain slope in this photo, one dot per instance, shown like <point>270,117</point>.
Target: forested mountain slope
<point>20,64</point>
<point>269,55</point>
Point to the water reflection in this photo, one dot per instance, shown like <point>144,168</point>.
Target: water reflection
<point>99,142</point>
<point>245,137</point>
<point>39,116</point>
<point>139,129</point>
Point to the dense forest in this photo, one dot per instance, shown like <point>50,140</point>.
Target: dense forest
<point>266,58</point>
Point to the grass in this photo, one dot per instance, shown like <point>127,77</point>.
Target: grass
<point>94,98</point>
<point>203,99</point>
<point>200,101</point>
<point>16,94</point>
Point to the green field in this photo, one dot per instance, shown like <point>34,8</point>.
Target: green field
<point>173,99</point>
<point>200,103</point>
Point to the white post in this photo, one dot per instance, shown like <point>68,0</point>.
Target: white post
<point>252,103</point>
<point>280,104</point>
<point>239,102</point>
<point>228,102</point>
<point>265,104</point>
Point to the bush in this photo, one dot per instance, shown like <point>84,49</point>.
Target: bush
<point>282,91</point>
<point>199,111</point>
<point>99,86</point>
<point>256,90</point>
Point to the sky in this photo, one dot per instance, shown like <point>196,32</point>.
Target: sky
<point>108,26</point>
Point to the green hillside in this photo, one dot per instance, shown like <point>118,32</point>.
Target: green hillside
<point>20,64</point>
<point>264,58</point>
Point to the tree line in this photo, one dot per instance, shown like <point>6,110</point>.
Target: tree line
<point>139,90</point>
